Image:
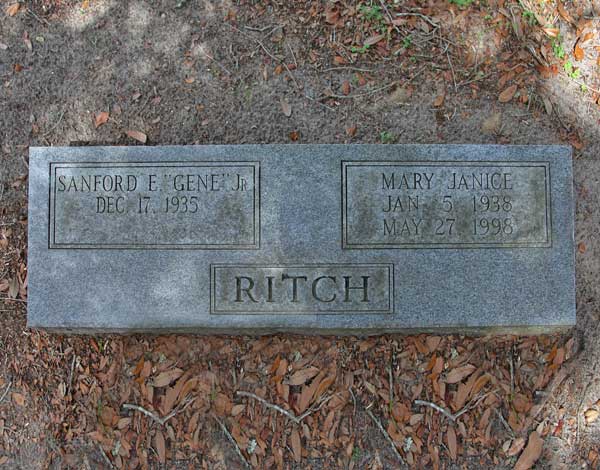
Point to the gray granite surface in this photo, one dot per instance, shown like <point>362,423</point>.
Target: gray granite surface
<point>356,239</point>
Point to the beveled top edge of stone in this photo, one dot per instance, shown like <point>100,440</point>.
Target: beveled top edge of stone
<point>557,149</point>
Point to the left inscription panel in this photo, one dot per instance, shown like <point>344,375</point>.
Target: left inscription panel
<point>170,205</point>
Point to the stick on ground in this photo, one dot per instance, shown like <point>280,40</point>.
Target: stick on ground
<point>154,417</point>
<point>387,436</point>
<point>232,440</point>
<point>5,392</point>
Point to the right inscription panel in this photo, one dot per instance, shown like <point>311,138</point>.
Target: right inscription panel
<point>387,204</point>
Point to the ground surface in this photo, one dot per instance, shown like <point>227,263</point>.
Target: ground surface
<point>90,72</point>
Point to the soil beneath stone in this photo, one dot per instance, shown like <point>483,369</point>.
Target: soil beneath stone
<point>195,72</point>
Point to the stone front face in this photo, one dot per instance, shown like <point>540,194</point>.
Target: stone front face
<point>356,239</point>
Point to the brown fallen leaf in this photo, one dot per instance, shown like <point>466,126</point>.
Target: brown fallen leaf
<point>374,39</point>
<point>123,423</point>
<point>456,375</point>
<point>451,439</point>
<point>507,94</point>
<point>296,445</point>
<point>285,107</point>
<point>308,392</point>
<point>578,52</point>
<point>346,87</point>
<point>439,100</point>
<point>18,398</point>
<point>551,32</point>
<point>531,453</point>
<point>165,378</point>
<point>161,449</point>
<point>589,35</point>
<point>564,13</point>
<point>331,15</point>
<point>100,118</point>
<point>323,385</point>
<point>516,447</point>
<point>351,131</point>
<point>13,9</point>
<point>302,376</point>
<point>137,135</point>
<point>294,136</point>
<point>13,288</point>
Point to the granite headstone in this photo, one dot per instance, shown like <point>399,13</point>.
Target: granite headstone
<point>356,239</point>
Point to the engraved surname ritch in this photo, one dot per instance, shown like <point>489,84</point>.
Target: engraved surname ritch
<point>302,289</point>
<point>195,205</point>
<point>445,205</point>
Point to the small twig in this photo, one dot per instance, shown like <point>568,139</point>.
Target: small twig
<point>512,371</point>
<point>41,20</point>
<point>386,435</point>
<point>71,375</point>
<point>154,417</point>
<point>452,417</point>
<point>5,391</point>
<point>385,8</point>
<point>258,42</point>
<point>105,457</point>
<point>452,70</point>
<point>391,374</point>
<point>276,59</point>
<point>581,84</point>
<point>313,409</point>
<point>360,95</point>
<point>260,30</point>
<point>232,440</point>
<point>319,103</point>
<point>293,55</point>
<point>504,423</point>
<point>346,67</point>
<point>420,15</point>
<point>444,411</point>
<point>290,415</point>
<point>55,125</point>
<point>221,66</point>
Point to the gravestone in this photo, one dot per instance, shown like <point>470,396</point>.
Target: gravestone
<point>356,239</point>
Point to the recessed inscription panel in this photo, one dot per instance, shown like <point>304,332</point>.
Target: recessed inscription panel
<point>445,205</point>
<point>189,205</point>
<point>302,289</point>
